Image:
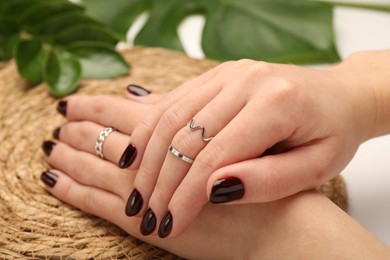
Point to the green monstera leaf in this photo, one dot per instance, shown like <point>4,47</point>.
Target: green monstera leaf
<point>273,30</point>
<point>299,31</point>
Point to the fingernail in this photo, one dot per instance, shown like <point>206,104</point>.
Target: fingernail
<point>61,107</point>
<point>56,133</point>
<point>47,147</point>
<point>148,223</point>
<point>127,157</point>
<point>49,178</point>
<point>226,190</point>
<point>137,90</point>
<point>166,225</point>
<point>134,203</point>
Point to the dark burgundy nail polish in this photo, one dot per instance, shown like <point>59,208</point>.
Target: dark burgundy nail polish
<point>148,223</point>
<point>49,179</point>
<point>47,147</point>
<point>61,107</point>
<point>56,133</point>
<point>226,190</point>
<point>166,225</point>
<point>127,157</point>
<point>134,203</point>
<point>137,90</point>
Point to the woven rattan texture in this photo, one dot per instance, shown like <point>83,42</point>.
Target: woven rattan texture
<point>35,225</point>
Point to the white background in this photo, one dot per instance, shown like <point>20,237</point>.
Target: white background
<point>368,174</point>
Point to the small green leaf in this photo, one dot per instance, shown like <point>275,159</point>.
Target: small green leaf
<point>30,57</point>
<point>99,60</point>
<point>60,22</point>
<point>45,9</point>
<point>62,73</point>
<point>8,38</point>
<point>13,8</point>
<point>85,32</point>
<point>7,46</point>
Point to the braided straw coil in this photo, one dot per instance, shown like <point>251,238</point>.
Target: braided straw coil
<point>35,225</point>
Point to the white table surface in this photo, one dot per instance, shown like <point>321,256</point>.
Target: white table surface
<point>368,174</point>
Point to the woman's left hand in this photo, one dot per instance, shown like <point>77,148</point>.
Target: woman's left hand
<point>312,120</point>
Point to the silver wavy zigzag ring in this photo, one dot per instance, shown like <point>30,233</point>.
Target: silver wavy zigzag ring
<point>100,140</point>
<point>194,128</point>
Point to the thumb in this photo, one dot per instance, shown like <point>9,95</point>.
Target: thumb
<point>272,177</point>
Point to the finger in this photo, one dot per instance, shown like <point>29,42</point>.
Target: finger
<point>242,144</point>
<point>143,132</point>
<point>104,110</point>
<point>157,148</point>
<point>90,170</point>
<point>273,177</point>
<point>190,142</point>
<point>92,200</point>
<point>139,94</point>
<point>83,136</point>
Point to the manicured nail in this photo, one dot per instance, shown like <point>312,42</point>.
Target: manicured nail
<point>47,147</point>
<point>226,190</point>
<point>49,179</point>
<point>127,157</point>
<point>137,90</point>
<point>166,225</point>
<point>56,133</point>
<point>134,203</point>
<point>148,223</point>
<point>61,107</point>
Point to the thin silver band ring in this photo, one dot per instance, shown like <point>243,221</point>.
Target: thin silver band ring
<point>100,141</point>
<point>180,155</point>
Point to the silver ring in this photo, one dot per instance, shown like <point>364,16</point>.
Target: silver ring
<point>100,141</point>
<point>193,128</point>
<point>180,155</point>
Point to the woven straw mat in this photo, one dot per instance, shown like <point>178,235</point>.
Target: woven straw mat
<point>34,224</point>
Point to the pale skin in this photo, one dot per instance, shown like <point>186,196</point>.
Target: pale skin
<point>303,226</point>
<point>315,116</point>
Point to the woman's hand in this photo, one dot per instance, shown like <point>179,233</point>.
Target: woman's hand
<point>251,231</point>
<point>310,121</point>
<point>97,186</point>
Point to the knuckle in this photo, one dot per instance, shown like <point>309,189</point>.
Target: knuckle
<point>260,68</point>
<point>211,157</point>
<point>273,184</point>
<point>98,107</point>
<point>143,128</point>
<point>283,89</point>
<point>224,65</point>
<point>244,61</point>
<point>83,131</point>
<point>171,120</point>
<point>146,177</point>
<point>80,167</point>
<point>66,194</point>
<point>160,196</point>
<point>183,141</point>
<point>90,201</point>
